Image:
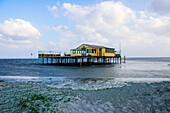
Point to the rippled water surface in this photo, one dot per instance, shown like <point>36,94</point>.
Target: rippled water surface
<point>139,85</point>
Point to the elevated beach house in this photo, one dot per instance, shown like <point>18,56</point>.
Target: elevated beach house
<point>92,50</point>
<point>85,53</point>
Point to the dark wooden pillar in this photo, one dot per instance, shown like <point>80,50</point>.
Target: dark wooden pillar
<point>43,60</point>
<point>124,59</point>
<point>81,61</point>
<point>104,60</point>
<point>76,60</point>
<point>51,60</point>
<point>90,61</point>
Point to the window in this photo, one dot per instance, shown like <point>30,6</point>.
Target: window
<point>107,50</point>
<point>89,50</point>
<point>93,50</point>
<point>73,51</point>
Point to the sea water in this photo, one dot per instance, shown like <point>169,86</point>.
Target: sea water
<point>139,85</point>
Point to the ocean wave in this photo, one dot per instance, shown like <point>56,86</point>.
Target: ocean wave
<point>83,83</point>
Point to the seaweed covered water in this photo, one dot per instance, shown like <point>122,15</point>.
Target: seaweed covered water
<point>139,85</point>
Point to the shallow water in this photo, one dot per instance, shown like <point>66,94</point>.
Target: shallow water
<point>139,85</point>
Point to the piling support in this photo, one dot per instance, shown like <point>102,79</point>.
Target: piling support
<point>76,60</point>
<point>90,61</point>
<point>81,60</point>
<point>51,60</point>
<point>120,59</point>
<point>124,59</point>
<point>104,60</point>
<point>43,60</point>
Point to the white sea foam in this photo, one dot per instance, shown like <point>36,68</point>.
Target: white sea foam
<point>142,79</point>
<point>83,83</point>
<point>18,77</point>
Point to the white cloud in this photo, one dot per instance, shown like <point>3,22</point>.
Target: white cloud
<point>63,30</point>
<point>19,28</point>
<point>112,22</point>
<point>105,13</point>
<point>83,29</point>
<point>161,7</point>
<point>15,41</point>
<point>98,39</point>
<point>51,43</point>
<point>19,36</point>
<point>53,10</point>
<point>76,12</point>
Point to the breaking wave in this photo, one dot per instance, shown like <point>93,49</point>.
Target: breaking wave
<point>83,83</point>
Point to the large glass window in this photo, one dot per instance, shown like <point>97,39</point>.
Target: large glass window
<point>107,50</point>
<point>93,50</point>
<point>89,50</point>
<point>73,51</point>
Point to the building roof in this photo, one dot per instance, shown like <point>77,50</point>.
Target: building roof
<point>94,46</point>
<point>97,46</point>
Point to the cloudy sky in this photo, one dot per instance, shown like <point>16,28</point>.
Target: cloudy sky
<point>142,27</point>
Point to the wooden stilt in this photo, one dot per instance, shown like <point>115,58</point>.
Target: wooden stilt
<point>43,60</point>
<point>124,59</point>
<point>120,59</point>
<point>76,60</point>
<point>90,61</point>
<point>81,61</point>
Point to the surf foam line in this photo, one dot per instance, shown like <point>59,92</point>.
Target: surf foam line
<point>64,79</point>
<point>83,83</point>
<point>18,77</point>
<point>138,80</point>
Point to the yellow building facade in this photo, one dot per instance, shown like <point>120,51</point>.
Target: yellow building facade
<point>93,50</point>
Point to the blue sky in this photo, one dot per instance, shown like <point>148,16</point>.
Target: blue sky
<point>141,26</point>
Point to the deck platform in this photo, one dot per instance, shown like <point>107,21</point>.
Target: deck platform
<point>79,60</point>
